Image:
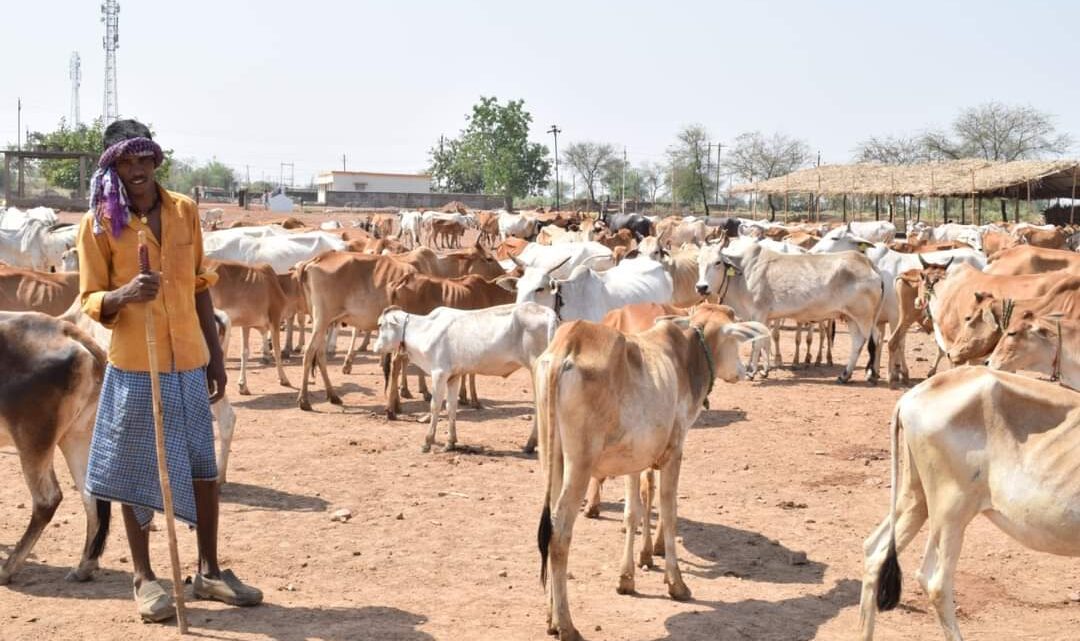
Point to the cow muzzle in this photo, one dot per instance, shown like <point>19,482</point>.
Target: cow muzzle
<point>703,289</point>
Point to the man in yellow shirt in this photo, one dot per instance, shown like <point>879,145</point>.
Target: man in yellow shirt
<point>125,199</point>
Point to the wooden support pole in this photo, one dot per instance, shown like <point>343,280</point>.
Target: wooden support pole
<point>845,207</point>
<point>1072,203</point>
<point>1029,196</point>
<point>1016,209</point>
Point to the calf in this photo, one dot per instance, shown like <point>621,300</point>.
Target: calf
<point>612,404</point>
<point>977,441</point>
<point>252,297</point>
<point>450,343</point>
<point>51,403</point>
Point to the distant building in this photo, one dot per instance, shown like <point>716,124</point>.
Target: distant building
<point>345,182</point>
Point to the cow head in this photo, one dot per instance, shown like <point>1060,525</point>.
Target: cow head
<point>1029,343</point>
<point>393,323</point>
<point>534,284</point>
<point>714,270</point>
<point>981,328</point>
<point>721,335</point>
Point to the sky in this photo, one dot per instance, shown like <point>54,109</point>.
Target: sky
<point>257,84</point>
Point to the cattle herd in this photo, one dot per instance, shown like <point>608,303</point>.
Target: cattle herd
<point>624,322</point>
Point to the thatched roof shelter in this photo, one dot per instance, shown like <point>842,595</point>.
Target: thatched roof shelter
<point>1036,179</point>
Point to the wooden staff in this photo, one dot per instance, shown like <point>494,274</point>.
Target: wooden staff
<point>159,439</point>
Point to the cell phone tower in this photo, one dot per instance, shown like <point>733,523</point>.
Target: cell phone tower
<point>75,73</point>
<point>110,15</point>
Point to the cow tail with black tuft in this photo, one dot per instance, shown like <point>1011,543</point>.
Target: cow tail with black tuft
<point>104,514</point>
<point>889,576</point>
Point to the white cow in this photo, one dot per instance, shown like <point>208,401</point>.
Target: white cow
<point>763,285</point>
<point>281,252</point>
<point>13,218</point>
<point>410,227</point>
<point>219,237</point>
<point>35,245</point>
<point>588,295</point>
<point>211,218</point>
<point>541,263</point>
<point>516,225</point>
<point>450,343</point>
<point>978,441</point>
<point>890,264</point>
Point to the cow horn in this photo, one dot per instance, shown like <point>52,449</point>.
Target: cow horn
<point>556,267</point>
<point>922,261</point>
<point>518,262</point>
<point>948,262</point>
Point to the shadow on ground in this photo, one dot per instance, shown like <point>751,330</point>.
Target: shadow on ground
<point>302,623</point>
<point>729,551</point>
<point>784,620</point>
<point>265,498</point>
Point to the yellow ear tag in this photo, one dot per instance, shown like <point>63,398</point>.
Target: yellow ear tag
<point>730,271</point>
<point>864,246</point>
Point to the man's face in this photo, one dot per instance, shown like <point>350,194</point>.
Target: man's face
<point>137,172</point>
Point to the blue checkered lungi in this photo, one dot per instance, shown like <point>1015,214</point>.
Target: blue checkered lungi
<point>123,455</point>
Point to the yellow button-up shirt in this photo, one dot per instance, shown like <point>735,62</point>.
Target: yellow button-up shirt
<point>107,263</point>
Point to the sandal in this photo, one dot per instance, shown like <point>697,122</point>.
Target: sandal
<point>227,589</point>
<point>154,603</point>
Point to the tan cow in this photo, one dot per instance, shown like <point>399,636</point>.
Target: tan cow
<point>1046,344</point>
<point>949,299</point>
<point>1027,259</point>
<point>994,241</point>
<point>978,441</point>
<point>911,312</point>
<point>488,222</point>
<point>611,404</point>
<point>252,297</point>
<point>382,225</point>
<point>51,403</point>
<point>1046,238</point>
<point>986,321</point>
<point>26,290</point>
<point>446,232</point>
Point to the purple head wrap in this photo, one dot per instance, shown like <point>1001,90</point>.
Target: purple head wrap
<point>108,198</point>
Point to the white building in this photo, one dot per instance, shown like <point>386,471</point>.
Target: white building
<point>369,181</point>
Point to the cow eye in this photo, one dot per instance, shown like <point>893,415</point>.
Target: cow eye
<point>1011,334</point>
<point>719,262</point>
<point>539,289</point>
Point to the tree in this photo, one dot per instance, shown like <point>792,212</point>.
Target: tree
<point>890,150</point>
<point>995,131</point>
<point>589,160</point>
<point>689,157</point>
<point>493,153</point>
<point>757,157</point>
<point>82,137</point>
<point>652,178</point>
<point>620,179</point>
<point>184,175</point>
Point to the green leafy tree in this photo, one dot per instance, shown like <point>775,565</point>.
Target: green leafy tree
<point>493,154</point>
<point>689,157</point>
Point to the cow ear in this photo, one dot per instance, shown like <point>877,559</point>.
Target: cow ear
<point>746,331</point>
<point>988,317</point>
<point>509,283</point>
<point>683,322</point>
<point>979,296</point>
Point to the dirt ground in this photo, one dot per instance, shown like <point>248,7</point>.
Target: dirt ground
<point>443,545</point>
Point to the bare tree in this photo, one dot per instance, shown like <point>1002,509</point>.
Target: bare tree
<point>890,150</point>
<point>589,159</point>
<point>652,175</point>
<point>690,159</point>
<point>757,157</point>
<point>995,131</point>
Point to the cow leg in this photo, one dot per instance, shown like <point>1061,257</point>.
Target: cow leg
<point>245,333</point>
<point>831,329</point>
<point>563,517</point>
<point>776,343</point>
<point>822,328</point>
<point>438,383</point>
<point>46,495</point>
<point>592,497</point>
<point>858,339</point>
<point>266,347</point>
<point>475,400</point>
<point>75,446</point>
<point>452,390</point>
<point>648,483</point>
<point>669,488</point>
<point>421,385</point>
<point>275,342</point>
<point>346,367</point>
<point>937,361</point>
<point>939,587</point>
<point>226,422</point>
<point>312,355</point>
<point>799,330</point>
<point>631,513</point>
<point>367,341</point>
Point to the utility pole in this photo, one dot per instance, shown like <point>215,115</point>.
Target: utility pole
<point>555,131</point>
<point>18,126</point>
<point>719,148</point>
<point>343,163</point>
<point>622,190</point>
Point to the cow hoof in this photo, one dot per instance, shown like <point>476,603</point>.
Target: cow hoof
<point>391,415</point>
<point>265,360</point>
<point>346,368</point>
<point>592,511</point>
<point>449,447</point>
<point>334,399</point>
<point>626,585</point>
<point>80,575</point>
<point>405,393</point>
<point>477,406</point>
<point>304,405</point>
<point>285,382</point>
<point>843,378</point>
<point>764,374</point>
<point>570,635</point>
<point>679,592</point>
<point>529,448</point>
<point>244,391</point>
<point>5,578</point>
<point>425,448</point>
<point>645,559</point>
<point>427,396</point>
<point>658,548</point>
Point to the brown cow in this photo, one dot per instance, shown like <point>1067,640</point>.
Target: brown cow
<point>252,297</point>
<point>911,311</point>
<point>382,225</point>
<point>449,232</point>
<point>1027,259</point>
<point>994,241</point>
<point>25,290</point>
<point>622,238</point>
<point>986,322</point>
<point>1046,238</point>
<point>488,222</point>
<point>51,403</point>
